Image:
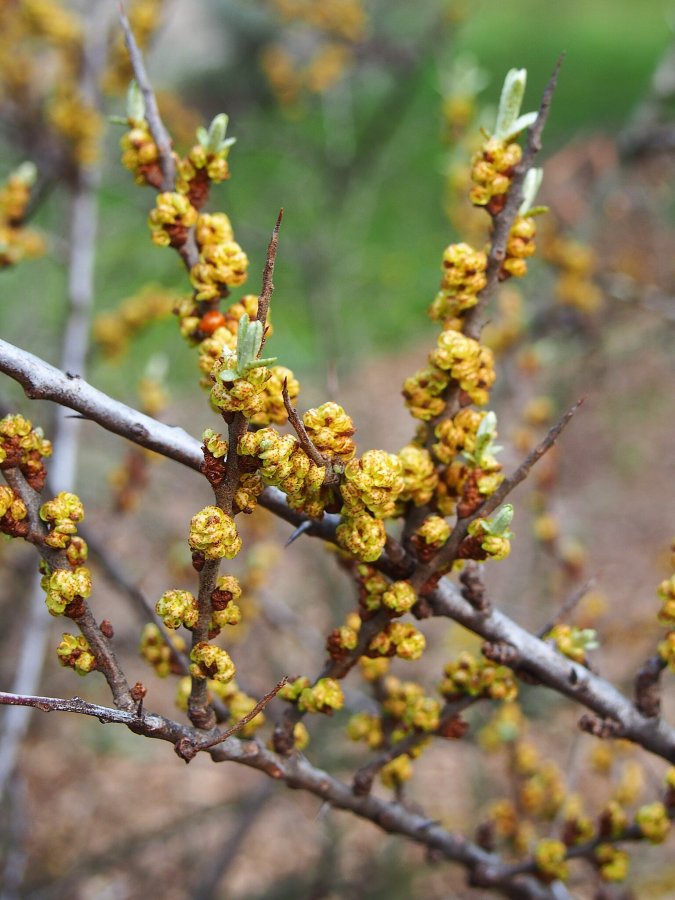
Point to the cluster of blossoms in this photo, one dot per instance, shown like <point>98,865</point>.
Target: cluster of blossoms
<point>75,653</point>
<point>576,266</point>
<point>283,463</point>
<point>13,513</point>
<point>469,676</point>
<point>144,18</point>
<point>323,697</point>
<point>336,26</point>
<point>16,240</point>
<point>24,447</point>
<point>209,661</point>
<point>370,490</point>
<point>229,693</point>
<point>213,535</point>
<point>155,651</point>
<point>112,331</point>
<point>666,616</point>
<point>406,710</point>
<point>573,642</point>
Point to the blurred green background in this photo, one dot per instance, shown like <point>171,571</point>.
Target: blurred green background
<point>359,170</point>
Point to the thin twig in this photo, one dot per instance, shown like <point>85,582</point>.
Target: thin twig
<point>305,440</point>
<point>567,607</point>
<point>267,285</point>
<point>447,555</point>
<point>159,133</point>
<point>260,705</point>
<point>503,221</point>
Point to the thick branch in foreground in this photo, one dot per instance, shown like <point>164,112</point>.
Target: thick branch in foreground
<point>297,772</point>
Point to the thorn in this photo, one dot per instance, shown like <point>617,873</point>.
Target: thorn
<point>300,530</point>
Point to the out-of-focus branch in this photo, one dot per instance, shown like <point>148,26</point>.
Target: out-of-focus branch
<point>298,772</point>
<point>75,341</point>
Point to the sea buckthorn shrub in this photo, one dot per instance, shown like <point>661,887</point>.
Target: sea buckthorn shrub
<point>423,670</point>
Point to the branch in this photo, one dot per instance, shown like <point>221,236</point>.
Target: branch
<point>503,221</point>
<point>298,772</point>
<point>553,669</point>
<point>267,285</point>
<point>159,133</point>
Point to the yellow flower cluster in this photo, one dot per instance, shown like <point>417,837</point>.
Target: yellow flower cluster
<point>336,26</point>
<point>213,534</point>
<point>24,447</point>
<point>423,392</point>
<point>284,464</point>
<point>519,247</point>
<point>419,476</point>
<point>13,512</point>
<point>550,856</point>
<point>463,279</point>
<point>74,651</point>
<point>154,650</point>
<point>246,394</point>
<point>112,331</point>
<point>16,241</point>
<point>171,218</point>
<point>573,642</point>
<point>398,639</point>
<point>492,170</point>
<point>652,820</point>
<point>474,677</point>
<point>406,704</point>
<point>396,772</point>
<point>225,610</point>
<point>273,409</point>
<point>330,429</point>
<point>612,862</point>
<point>373,482</point>
<point>577,268</point>
<point>457,434</point>
<point>370,490</point>
<point>492,546</point>
<point>323,697</point>
<point>238,703</point>
<point>208,661</point>
<point>467,362</point>
<point>666,593</point>
<point>176,608</point>
<point>62,515</point>
<point>140,154</point>
<point>79,123</point>
<point>66,588</point>
<point>222,262</point>
<point>144,18</point>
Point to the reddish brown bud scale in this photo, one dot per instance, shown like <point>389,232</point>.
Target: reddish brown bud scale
<point>106,629</point>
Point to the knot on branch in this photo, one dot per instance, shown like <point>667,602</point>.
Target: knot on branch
<point>186,749</point>
<point>648,688</point>
<point>500,652</point>
<point>473,589</point>
<point>600,728</point>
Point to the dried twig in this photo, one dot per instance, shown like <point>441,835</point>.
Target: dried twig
<point>267,284</point>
